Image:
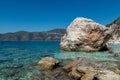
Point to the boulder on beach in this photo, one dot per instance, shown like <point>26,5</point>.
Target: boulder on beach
<point>85,35</point>
<point>48,63</point>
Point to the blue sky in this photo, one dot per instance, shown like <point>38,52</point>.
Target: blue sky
<point>41,15</point>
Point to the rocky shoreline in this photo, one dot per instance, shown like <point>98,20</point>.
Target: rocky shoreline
<point>80,68</point>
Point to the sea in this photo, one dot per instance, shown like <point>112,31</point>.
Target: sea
<point>18,59</point>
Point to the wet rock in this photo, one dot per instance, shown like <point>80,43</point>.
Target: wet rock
<point>82,68</point>
<point>107,75</point>
<point>79,61</point>
<point>89,73</point>
<point>75,74</point>
<point>85,35</point>
<point>48,63</point>
<point>14,66</point>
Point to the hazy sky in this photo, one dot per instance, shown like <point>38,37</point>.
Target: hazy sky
<point>38,15</point>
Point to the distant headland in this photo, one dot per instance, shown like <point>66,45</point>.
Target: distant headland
<point>54,34</point>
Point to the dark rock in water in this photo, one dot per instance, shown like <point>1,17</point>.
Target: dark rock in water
<point>116,54</point>
<point>105,48</point>
<point>110,50</point>
<point>14,66</point>
<point>85,35</point>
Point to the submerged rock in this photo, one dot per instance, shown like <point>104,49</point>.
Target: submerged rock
<point>10,73</point>
<point>85,35</point>
<point>116,54</point>
<point>110,50</point>
<point>14,66</point>
<point>47,63</point>
<point>4,60</point>
<point>56,74</point>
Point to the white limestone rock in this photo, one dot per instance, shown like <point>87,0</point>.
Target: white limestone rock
<point>85,35</point>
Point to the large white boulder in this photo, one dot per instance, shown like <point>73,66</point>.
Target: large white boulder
<point>85,35</point>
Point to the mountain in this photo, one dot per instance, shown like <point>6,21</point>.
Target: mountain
<point>54,34</point>
<point>115,26</point>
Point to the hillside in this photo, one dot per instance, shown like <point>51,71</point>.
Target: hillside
<point>115,26</point>
<point>33,36</point>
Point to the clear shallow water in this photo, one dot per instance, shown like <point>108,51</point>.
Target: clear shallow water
<point>17,59</point>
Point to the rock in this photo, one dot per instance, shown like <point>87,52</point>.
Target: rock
<point>57,74</point>
<point>75,74</point>
<point>82,68</point>
<point>107,75</point>
<point>79,61</point>
<point>116,54</point>
<point>48,63</point>
<point>77,69</point>
<point>85,35</point>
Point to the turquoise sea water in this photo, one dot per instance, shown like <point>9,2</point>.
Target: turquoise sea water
<point>18,59</point>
